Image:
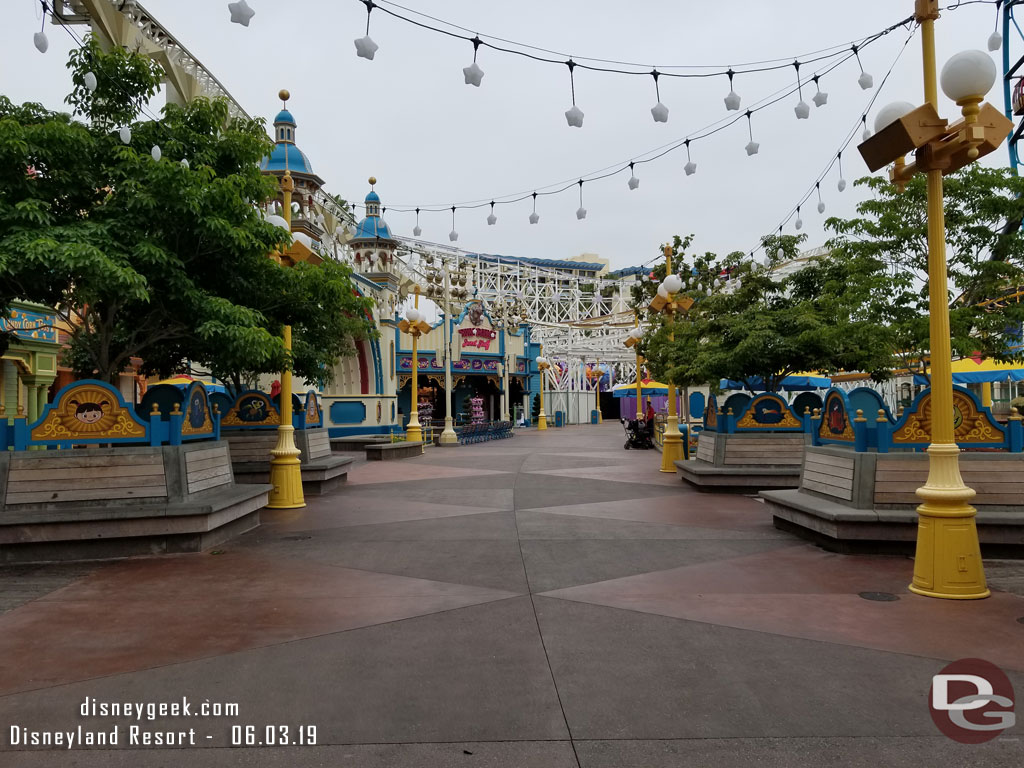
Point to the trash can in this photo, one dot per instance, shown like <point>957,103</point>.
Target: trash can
<point>594,416</point>
<point>559,418</point>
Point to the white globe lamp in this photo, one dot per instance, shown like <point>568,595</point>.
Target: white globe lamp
<point>890,113</point>
<point>673,283</point>
<point>412,315</point>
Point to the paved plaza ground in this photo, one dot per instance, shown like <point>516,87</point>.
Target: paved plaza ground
<point>547,601</point>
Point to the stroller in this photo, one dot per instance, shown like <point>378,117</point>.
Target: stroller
<point>638,435</point>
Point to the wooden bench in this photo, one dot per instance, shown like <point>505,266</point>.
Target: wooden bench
<point>388,451</point>
<point>118,502</point>
<point>744,461</point>
<point>357,442</point>
<point>321,470</point>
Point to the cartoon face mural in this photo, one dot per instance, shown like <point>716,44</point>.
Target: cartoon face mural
<point>476,313</point>
<point>89,413</point>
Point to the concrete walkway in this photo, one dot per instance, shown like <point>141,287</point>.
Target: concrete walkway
<point>547,601</point>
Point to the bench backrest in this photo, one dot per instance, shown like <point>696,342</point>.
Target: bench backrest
<point>49,479</point>
<point>208,468</point>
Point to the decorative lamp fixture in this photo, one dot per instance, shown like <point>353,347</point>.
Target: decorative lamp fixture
<point>799,222</point>
<point>673,283</point>
<point>184,162</point>
<point>573,115</point>
<point>821,204</point>
<point>534,217</point>
<point>820,98</point>
<point>967,77</point>
<point>453,235</point>
<point>413,315</point>
<point>865,81</point>
<point>581,212</point>
<point>633,182</point>
<point>663,291</point>
<point>39,38</point>
<point>732,101</point>
<point>636,334</point>
<point>417,230</point>
<point>492,219</point>
<point>691,167</point>
<point>781,253</point>
<point>659,111</point>
<point>89,80</point>
<point>890,113</point>
<point>752,146</point>
<point>802,110</point>
<point>125,134</point>
<point>842,182</point>
<point>241,13</point>
<point>473,74</point>
<point>156,153</point>
<point>365,47</point>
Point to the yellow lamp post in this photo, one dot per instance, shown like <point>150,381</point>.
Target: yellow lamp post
<point>633,340</point>
<point>413,325</point>
<point>597,393</point>
<point>285,468</point>
<point>948,558</point>
<point>542,366</point>
<point>673,449</point>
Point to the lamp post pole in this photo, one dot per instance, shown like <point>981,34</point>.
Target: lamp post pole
<point>948,556</point>
<point>597,393</point>
<point>542,365</point>
<point>672,446</point>
<point>639,385</point>
<point>414,432</point>
<point>448,436</point>
<point>285,468</point>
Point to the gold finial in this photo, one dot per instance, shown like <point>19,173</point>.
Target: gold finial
<point>372,180</point>
<point>176,410</point>
<point>283,94</point>
<point>881,415</point>
<point>155,411</point>
<point>817,413</point>
<point>860,415</point>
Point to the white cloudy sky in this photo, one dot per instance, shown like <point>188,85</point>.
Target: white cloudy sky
<point>408,119</point>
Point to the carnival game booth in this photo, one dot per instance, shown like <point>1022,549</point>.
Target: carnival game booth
<point>862,468</point>
<point>250,425</point>
<point>94,477</point>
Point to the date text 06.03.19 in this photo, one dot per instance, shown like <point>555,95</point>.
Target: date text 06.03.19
<point>272,735</point>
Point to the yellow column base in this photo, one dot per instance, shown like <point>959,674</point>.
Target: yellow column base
<point>542,421</point>
<point>947,563</point>
<point>672,447</point>
<point>414,432</point>
<point>286,472</point>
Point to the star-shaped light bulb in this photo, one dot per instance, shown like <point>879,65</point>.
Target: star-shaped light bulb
<point>820,99</point>
<point>995,41</point>
<point>453,235</point>
<point>752,148</point>
<point>732,101</point>
<point>799,224</point>
<point>492,220</point>
<point>821,207</point>
<point>802,110</point>
<point>660,113</point>
<point>365,47</point>
<point>690,168</point>
<point>581,212</point>
<point>473,74</point>
<point>40,41</point>
<point>241,13</point>
<point>866,135</point>
<point>574,117</point>
<point>125,134</point>
<point>89,80</point>
<point>865,80</point>
<point>417,231</point>
<point>633,182</point>
<point>534,217</point>
<point>841,185</point>
<point>156,153</point>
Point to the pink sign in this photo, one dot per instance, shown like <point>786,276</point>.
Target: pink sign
<point>480,338</point>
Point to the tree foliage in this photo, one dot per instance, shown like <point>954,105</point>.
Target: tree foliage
<point>158,259</point>
<point>984,253</point>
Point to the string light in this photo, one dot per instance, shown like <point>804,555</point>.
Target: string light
<point>781,253</point>
<point>691,167</point>
<point>417,230</point>
<point>802,110</point>
<point>633,182</point>
<point>453,235</point>
<point>534,217</point>
<point>39,38</point>
<point>473,74</point>
<point>752,146</point>
<point>89,80</point>
<point>995,40</point>
<point>867,131</point>
<point>125,134</point>
<point>820,98</point>
<point>573,115</point>
<point>732,99</point>
<point>659,111</point>
<point>865,80</point>
<point>241,13</point>
<point>842,182</point>
<point>365,47</point>
<point>156,153</point>
<point>492,219</point>
<point>799,222</point>
<point>581,212</point>
<point>821,203</point>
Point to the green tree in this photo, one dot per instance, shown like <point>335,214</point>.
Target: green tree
<point>746,323</point>
<point>984,208</point>
<point>161,259</point>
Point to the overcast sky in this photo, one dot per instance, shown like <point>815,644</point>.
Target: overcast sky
<point>408,118</point>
